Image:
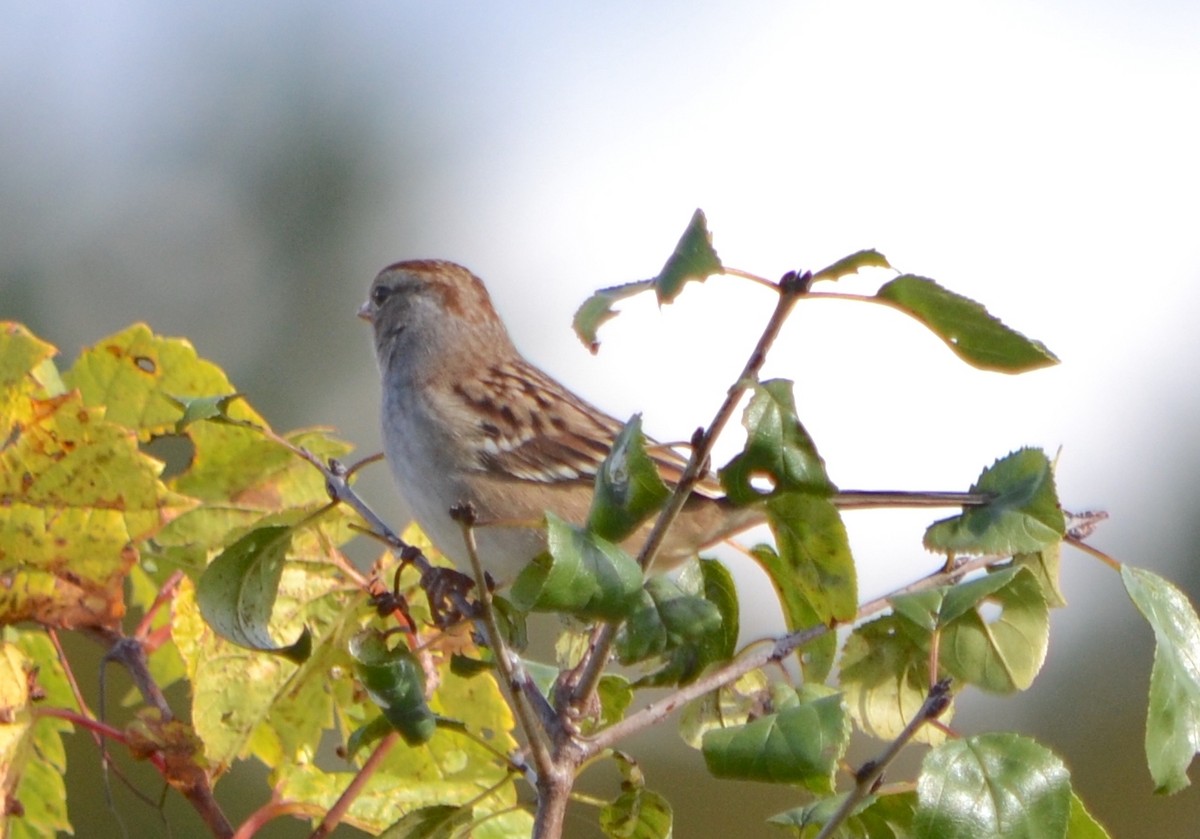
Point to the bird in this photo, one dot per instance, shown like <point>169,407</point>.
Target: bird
<point>467,419</point>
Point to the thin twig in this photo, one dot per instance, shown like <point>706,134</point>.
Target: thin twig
<point>272,810</point>
<point>866,777</point>
<point>165,594</point>
<point>534,733</point>
<point>790,289</point>
<point>871,499</point>
<point>130,653</point>
<point>761,656</point>
<point>99,730</point>
<point>338,811</point>
<point>746,275</point>
<point>1074,542</point>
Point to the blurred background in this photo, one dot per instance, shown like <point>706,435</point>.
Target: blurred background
<point>237,173</point>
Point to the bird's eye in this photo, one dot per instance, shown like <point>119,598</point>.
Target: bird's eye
<point>379,294</point>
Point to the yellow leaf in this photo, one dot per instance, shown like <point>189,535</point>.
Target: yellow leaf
<point>76,495</point>
<point>141,376</point>
<point>24,360</point>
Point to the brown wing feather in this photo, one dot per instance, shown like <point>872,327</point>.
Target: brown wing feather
<point>530,427</point>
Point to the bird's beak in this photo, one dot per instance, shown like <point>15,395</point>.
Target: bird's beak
<point>364,311</point>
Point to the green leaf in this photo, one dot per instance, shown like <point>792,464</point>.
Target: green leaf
<point>995,628</point>
<point>852,264</point>
<point>1173,718</point>
<point>992,786</point>
<point>800,611</point>
<point>922,608</point>
<point>580,574</point>
<point>615,695</point>
<point>958,599</point>
<point>394,680</point>
<point>737,703</point>
<point>1082,825</point>
<point>812,571</point>
<point>198,409</point>
<point>628,487</point>
<point>439,821</point>
<point>999,653</point>
<point>363,736</point>
<point>778,450</point>
<point>684,628</point>
<point>1022,517</point>
<point>815,550</point>
<point>638,813</point>
<point>237,592</point>
<point>693,259</point>
<point>974,335</point>
<point>718,588</point>
<point>798,745</point>
<point>1045,565</point>
<point>885,675</point>
<point>278,709</point>
<point>512,623</point>
<point>876,817</point>
<point>598,309</point>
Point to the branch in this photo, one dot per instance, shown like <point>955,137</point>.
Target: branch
<point>871,771</point>
<point>869,499</point>
<point>464,514</point>
<point>198,786</point>
<point>790,288</point>
<point>273,809</point>
<point>352,790</point>
<point>762,656</point>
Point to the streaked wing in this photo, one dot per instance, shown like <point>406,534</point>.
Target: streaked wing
<point>531,428</point>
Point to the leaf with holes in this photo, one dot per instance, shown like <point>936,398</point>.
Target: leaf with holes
<point>77,497</point>
<point>975,336</point>
<point>692,259</point>
<point>996,631</point>
<point>144,380</point>
<point>778,450</point>
<point>852,264</point>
